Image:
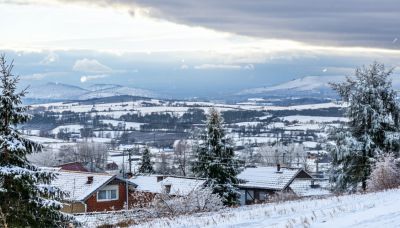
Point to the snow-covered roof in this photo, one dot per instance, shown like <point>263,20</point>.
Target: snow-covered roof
<point>181,185</point>
<point>147,183</point>
<point>268,177</point>
<point>303,188</point>
<point>76,183</point>
<point>308,144</point>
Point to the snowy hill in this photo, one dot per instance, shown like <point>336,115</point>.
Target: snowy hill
<point>55,91</point>
<point>58,91</point>
<point>305,85</point>
<point>97,87</point>
<point>358,210</point>
<point>110,90</point>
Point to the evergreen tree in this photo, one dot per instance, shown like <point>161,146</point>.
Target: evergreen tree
<point>27,198</point>
<point>372,130</point>
<point>146,166</point>
<point>215,160</point>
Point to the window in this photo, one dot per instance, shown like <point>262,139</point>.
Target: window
<point>167,188</point>
<point>263,196</point>
<point>108,193</point>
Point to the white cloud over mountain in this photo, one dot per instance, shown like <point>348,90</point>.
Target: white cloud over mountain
<point>90,66</point>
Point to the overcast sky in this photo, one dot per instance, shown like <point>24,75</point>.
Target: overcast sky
<point>195,47</point>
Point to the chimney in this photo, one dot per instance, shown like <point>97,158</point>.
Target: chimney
<point>89,180</point>
<point>160,178</point>
<point>278,167</point>
<point>129,175</point>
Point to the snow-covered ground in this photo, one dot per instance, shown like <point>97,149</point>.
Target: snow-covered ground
<point>175,108</point>
<point>127,125</point>
<point>361,210</point>
<point>73,128</point>
<point>316,119</point>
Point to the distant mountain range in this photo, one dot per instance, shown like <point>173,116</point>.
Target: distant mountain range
<point>59,91</point>
<point>310,86</point>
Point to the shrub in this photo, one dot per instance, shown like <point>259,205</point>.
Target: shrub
<point>198,200</point>
<point>385,174</point>
<point>283,196</point>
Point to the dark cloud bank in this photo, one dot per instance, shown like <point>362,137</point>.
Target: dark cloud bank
<point>363,23</point>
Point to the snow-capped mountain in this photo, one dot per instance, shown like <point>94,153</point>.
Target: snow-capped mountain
<point>306,86</point>
<point>58,91</point>
<point>310,85</point>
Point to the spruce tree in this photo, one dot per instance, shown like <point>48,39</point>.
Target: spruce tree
<point>27,198</point>
<point>146,166</point>
<point>372,129</point>
<point>215,160</point>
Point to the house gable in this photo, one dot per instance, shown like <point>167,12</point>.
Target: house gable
<point>303,175</point>
<point>96,203</point>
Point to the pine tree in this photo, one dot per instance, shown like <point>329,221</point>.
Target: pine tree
<point>372,130</point>
<point>27,198</point>
<point>215,160</point>
<point>146,166</point>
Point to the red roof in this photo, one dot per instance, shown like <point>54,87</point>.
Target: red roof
<point>74,166</point>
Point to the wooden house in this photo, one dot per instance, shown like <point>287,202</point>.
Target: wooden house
<point>259,184</point>
<point>91,192</point>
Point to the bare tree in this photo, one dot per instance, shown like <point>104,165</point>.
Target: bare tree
<point>47,157</point>
<point>289,155</point>
<point>162,166</point>
<point>198,200</point>
<point>182,156</point>
<point>269,155</point>
<point>94,154</point>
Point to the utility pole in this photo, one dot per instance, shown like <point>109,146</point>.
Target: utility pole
<point>123,163</point>
<point>126,180</point>
<point>130,160</point>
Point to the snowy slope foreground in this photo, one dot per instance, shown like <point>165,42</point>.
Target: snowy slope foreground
<point>359,210</point>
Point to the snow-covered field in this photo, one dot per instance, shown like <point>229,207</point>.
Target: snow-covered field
<point>316,119</point>
<point>73,128</point>
<point>361,210</point>
<point>176,108</point>
<point>127,125</point>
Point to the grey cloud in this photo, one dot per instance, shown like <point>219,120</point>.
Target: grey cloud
<point>366,23</point>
